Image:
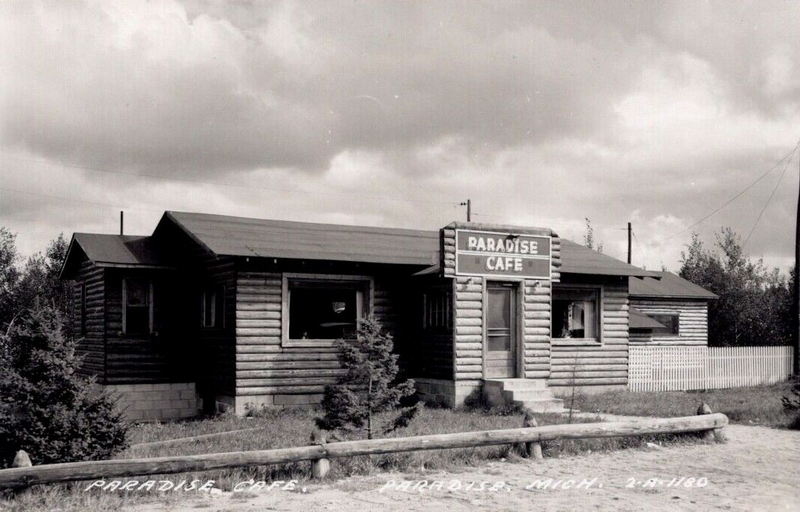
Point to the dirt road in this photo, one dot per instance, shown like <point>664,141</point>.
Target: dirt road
<point>757,469</point>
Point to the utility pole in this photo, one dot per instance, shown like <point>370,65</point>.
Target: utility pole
<point>630,232</point>
<point>796,302</point>
<point>468,204</point>
<point>121,222</point>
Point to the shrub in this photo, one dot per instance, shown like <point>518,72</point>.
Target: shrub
<point>791,404</point>
<point>368,387</point>
<point>47,409</point>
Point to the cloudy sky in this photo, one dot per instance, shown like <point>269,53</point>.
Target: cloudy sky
<point>392,113</point>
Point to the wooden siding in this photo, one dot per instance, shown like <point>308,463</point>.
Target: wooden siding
<point>219,347</point>
<point>468,322</point>
<point>263,365</point>
<point>430,346</point>
<point>534,316</point>
<point>91,346</point>
<point>213,349</point>
<point>602,363</point>
<point>536,328</point>
<point>153,358</point>
<point>693,321</point>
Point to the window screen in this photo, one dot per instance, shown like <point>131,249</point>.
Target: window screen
<point>437,313</point>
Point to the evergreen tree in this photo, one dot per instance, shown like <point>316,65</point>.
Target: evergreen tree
<point>47,409</point>
<point>369,385</point>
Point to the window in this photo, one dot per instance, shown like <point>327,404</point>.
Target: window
<point>671,323</point>
<point>83,309</point>
<point>212,307</point>
<point>576,313</point>
<point>137,310</point>
<point>325,309</point>
<point>437,310</point>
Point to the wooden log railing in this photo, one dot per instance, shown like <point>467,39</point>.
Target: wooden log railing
<point>50,473</point>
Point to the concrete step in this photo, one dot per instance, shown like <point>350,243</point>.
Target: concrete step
<point>515,384</point>
<point>554,405</point>
<point>527,394</point>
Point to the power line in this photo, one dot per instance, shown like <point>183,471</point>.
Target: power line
<point>95,203</point>
<point>769,199</point>
<point>221,184</point>
<point>737,196</point>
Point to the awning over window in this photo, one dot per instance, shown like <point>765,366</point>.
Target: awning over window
<point>638,320</point>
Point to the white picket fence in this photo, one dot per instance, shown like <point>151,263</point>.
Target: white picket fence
<point>665,368</point>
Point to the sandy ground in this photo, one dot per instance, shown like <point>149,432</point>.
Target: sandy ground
<point>757,469</point>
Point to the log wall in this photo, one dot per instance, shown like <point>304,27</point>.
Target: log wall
<point>469,293</point>
<point>159,357</point>
<point>602,363</point>
<point>269,373</point>
<point>693,321</point>
<point>91,346</point>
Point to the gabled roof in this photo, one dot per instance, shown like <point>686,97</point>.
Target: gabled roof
<point>240,236</point>
<point>577,259</point>
<point>667,286</point>
<point>111,251</point>
<point>223,235</point>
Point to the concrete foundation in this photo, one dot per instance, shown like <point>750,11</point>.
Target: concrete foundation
<point>157,402</point>
<point>445,392</point>
<point>244,404</point>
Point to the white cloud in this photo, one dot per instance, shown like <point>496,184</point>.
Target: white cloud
<point>393,113</point>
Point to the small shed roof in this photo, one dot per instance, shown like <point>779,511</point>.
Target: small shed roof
<point>667,286</point>
<point>112,251</point>
<point>577,259</point>
<point>239,236</point>
<point>639,320</point>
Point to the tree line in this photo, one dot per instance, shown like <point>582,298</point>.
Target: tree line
<point>755,302</point>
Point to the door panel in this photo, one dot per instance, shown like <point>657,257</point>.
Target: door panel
<point>500,335</point>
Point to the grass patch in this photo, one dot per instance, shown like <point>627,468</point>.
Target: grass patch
<point>759,405</point>
<point>293,427</point>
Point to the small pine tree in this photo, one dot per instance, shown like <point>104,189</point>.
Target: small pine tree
<point>47,409</point>
<point>368,387</point>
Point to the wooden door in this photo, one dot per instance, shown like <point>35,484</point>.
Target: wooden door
<point>501,331</point>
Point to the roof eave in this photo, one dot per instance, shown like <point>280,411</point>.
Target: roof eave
<point>662,296</point>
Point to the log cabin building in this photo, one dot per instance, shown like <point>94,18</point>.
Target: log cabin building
<point>668,310</point>
<point>214,312</point>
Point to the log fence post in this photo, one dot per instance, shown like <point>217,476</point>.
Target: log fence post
<point>319,467</point>
<point>532,449</point>
<point>714,434</point>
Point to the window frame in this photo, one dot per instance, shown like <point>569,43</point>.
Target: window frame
<point>218,312</point>
<point>676,315</point>
<point>594,341</point>
<point>365,306</point>
<point>150,331</point>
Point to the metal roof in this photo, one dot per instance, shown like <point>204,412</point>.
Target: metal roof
<point>112,251</point>
<point>239,236</point>
<point>667,286</point>
<point>577,259</point>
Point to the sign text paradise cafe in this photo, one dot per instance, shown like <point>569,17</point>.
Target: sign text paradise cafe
<point>486,253</point>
